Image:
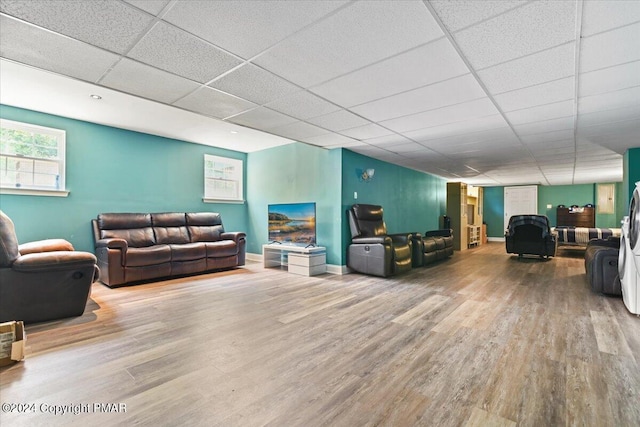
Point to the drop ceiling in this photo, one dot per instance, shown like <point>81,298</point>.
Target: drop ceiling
<point>488,92</point>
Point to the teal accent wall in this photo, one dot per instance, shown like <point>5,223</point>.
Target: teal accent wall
<point>554,195</point>
<point>115,170</point>
<point>568,195</point>
<point>493,203</point>
<point>631,173</point>
<point>412,201</point>
<point>295,173</point>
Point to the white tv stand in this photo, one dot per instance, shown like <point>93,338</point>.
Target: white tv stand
<point>297,259</point>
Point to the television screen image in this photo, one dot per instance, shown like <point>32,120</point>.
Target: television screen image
<point>293,223</point>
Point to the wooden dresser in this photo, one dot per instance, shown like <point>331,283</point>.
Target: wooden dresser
<point>580,217</point>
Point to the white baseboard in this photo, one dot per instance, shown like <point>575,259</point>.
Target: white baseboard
<point>495,239</point>
<point>253,257</point>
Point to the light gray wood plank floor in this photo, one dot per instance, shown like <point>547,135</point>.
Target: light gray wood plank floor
<point>481,339</point>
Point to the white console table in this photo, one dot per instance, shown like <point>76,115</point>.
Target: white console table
<point>297,259</point>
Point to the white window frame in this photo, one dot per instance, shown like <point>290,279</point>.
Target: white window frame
<point>232,174</point>
<point>35,190</point>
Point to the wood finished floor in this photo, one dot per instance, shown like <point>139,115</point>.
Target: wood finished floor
<point>482,339</point>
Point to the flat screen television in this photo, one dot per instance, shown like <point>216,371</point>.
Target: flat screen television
<point>293,224</point>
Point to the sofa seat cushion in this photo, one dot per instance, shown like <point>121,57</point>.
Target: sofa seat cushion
<point>188,252</point>
<point>140,257</point>
<point>222,248</point>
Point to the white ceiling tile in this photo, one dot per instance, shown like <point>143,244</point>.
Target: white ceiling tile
<point>499,137</point>
<point>254,84</point>
<point>298,131</point>
<point>303,105</point>
<point>602,15</point>
<point>211,102</point>
<point>49,51</point>
<point>107,24</point>
<point>563,123</point>
<point>320,53</point>
<point>366,132</point>
<point>450,92</point>
<point>610,48</point>
<point>518,33</point>
<point>338,120</point>
<point>262,118</point>
<point>388,140</point>
<point>178,52</point>
<point>140,79</point>
<point>246,28</point>
<point>531,70</point>
<point>541,112</point>
<point>456,15</point>
<point>610,116</point>
<point>545,93</point>
<point>418,67</point>
<point>495,121</point>
<point>610,79</point>
<point>332,140</point>
<point>610,100</point>
<point>154,7</point>
<point>544,137</point>
<point>403,148</point>
<point>455,113</point>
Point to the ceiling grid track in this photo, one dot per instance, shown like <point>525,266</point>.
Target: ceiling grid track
<point>482,85</point>
<point>578,37</point>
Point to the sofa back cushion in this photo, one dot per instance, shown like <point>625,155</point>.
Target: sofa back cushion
<point>135,228</point>
<point>170,228</point>
<point>204,226</point>
<point>366,221</point>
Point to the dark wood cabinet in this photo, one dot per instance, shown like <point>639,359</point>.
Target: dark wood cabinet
<point>577,217</point>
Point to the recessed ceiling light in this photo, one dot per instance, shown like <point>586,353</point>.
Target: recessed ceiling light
<point>95,96</point>
<point>234,131</point>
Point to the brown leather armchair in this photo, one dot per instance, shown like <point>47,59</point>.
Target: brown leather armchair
<point>43,280</point>
<point>372,250</point>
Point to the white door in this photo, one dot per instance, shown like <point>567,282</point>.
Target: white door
<point>520,201</point>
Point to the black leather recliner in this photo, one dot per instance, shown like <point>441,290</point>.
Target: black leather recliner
<point>601,265</point>
<point>43,280</point>
<point>372,250</point>
<point>433,246</point>
<point>531,235</point>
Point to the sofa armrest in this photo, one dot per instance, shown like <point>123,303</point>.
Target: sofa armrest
<point>233,235</point>
<point>112,244</point>
<point>53,261</point>
<point>49,245</point>
<point>385,240</point>
<point>401,238</point>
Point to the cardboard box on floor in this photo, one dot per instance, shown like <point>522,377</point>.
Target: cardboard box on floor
<point>12,341</point>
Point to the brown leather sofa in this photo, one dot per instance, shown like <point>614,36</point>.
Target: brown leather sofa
<point>136,247</point>
<point>42,280</point>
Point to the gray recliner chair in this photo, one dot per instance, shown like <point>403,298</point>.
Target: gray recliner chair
<point>372,250</point>
<point>43,280</point>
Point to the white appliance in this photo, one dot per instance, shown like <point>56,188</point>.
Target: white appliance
<point>629,258</point>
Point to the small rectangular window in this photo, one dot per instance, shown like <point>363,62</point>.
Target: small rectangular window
<point>31,157</point>
<point>222,179</point>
